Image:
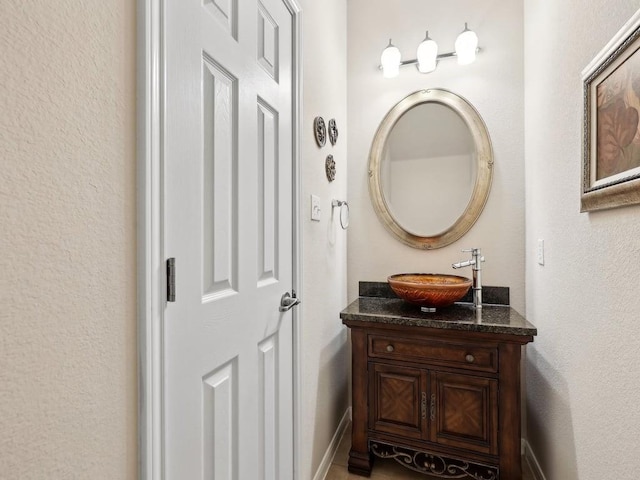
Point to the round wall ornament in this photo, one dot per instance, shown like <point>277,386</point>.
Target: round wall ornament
<point>330,168</point>
<point>333,131</point>
<point>320,130</point>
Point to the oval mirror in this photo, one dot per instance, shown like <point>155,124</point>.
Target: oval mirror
<point>430,168</point>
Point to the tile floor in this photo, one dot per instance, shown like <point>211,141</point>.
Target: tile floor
<point>383,469</point>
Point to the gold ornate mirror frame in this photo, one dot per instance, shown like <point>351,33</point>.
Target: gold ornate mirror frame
<point>484,158</point>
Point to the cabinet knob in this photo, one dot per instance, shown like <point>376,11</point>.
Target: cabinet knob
<point>390,348</point>
<point>470,358</point>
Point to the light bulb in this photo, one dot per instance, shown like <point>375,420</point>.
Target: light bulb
<point>466,46</point>
<point>427,55</point>
<point>390,61</point>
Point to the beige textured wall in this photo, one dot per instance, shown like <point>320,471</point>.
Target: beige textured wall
<point>583,369</point>
<point>67,247</point>
<point>493,84</point>
<point>325,356</point>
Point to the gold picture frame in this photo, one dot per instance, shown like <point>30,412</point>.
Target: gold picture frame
<point>611,126</point>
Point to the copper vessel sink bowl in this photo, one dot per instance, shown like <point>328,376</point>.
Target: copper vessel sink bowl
<point>429,289</point>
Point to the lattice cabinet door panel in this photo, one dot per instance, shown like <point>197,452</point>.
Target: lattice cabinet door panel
<point>398,400</point>
<point>463,410</point>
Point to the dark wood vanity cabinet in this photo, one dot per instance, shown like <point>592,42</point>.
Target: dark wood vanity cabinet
<point>441,407</point>
<point>441,398</point>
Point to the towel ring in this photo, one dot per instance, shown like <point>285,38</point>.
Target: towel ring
<point>344,212</point>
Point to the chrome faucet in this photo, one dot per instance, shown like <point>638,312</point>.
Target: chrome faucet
<point>476,264</point>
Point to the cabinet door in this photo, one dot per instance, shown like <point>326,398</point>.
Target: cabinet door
<point>398,400</point>
<point>464,412</point>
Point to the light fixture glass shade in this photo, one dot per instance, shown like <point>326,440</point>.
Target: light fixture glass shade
<point>466,46</point>
<point>427,55</point>
<point>390,61</point>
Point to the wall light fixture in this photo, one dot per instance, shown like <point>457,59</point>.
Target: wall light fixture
<point>427,56</point>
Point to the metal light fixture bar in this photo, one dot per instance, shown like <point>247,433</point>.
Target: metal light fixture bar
<point>440,56</point>
<point>466,47</point>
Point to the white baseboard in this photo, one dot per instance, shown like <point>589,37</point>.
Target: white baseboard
<point>325,464</point>
<point>532,461</point>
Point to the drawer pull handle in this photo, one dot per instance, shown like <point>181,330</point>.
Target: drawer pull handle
<point>470,358</point>
<point>390,348</point>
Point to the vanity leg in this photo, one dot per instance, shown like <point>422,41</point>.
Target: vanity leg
<point>360,464</point>
<point>510,412</point>
<point>360,459</point>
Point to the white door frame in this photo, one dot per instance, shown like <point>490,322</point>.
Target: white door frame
<point>150,214</point>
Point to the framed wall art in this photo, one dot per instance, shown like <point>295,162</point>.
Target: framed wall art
<point>611,123</point>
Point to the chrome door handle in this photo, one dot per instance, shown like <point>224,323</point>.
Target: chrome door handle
<point>288,301</point>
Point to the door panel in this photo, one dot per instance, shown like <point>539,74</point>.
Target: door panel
<point>268,240</point>
<point>397,396</point>
<point>465,412</point>
<point>226,13</point>
<point>219,181</point>
<point>228,222</point>
<point>269,407</point>
<point>268,42</point>
<point>220,422</point>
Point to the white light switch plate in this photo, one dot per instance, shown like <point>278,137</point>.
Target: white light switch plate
<point>315,208</point>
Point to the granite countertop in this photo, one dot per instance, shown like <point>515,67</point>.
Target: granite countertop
<point>461,316</point>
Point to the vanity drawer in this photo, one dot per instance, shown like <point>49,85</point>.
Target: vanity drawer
<point>459,355</point>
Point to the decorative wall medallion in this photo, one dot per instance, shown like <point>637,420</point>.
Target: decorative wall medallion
<point>330,168</point>
<point>333,131</point>
<point>320,131</point>
<point>435,465</point>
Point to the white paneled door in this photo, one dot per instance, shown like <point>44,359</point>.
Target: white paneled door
<point>228,202</point>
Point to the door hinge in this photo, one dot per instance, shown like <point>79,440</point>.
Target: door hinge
<point>171,279</point>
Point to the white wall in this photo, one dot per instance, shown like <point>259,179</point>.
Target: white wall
<point>67,248</point>
<point>493,84</point>
<point>326,360</point>
<point>583,369</point>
